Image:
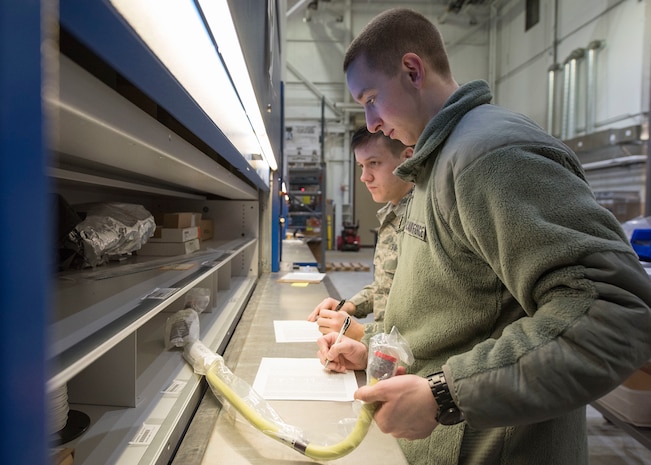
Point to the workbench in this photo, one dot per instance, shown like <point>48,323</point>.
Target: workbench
<point>217,436</point>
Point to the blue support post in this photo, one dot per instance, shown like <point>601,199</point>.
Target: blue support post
<point>24,237</point>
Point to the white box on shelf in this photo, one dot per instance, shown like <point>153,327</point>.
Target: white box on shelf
<point>174,234</point>
<point>169,248</point>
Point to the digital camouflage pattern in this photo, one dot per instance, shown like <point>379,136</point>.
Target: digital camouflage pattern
<point>373,297</point>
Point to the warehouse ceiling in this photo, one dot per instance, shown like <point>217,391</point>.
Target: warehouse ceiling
<point>324,28</point>
<point>466,10</point>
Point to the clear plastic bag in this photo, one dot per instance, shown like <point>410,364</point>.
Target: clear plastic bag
<point>182,328</point>
<point>385,352</point>
<point>197,299</point>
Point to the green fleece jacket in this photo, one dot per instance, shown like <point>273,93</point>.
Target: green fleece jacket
<point>515,282</point>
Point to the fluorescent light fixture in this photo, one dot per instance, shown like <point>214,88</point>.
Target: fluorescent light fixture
<point>220,21</point>
<point>283,190</point>
<point>177,35</point>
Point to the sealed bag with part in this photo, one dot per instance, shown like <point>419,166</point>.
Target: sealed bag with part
<point>110,230</point>
<point>182,328</point>
<point>386,351</point>
<point>197,298</point>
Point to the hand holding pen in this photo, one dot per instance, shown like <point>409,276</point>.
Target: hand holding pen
<point>326,304</point>
<point>341,333</point>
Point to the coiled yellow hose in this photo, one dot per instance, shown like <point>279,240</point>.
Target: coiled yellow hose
<point>273,430</point>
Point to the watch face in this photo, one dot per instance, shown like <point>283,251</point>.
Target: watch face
<point>450,416</point>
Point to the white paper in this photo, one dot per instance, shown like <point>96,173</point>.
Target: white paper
<point>297,277</point>
<point>302,379</point>
<point>296,331</point>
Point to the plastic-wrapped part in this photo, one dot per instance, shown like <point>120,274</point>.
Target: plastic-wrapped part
<point>110,229</point>
<point>388,349</point>
<point>385,352</point>
<point>182,328</point>
<point>197,298</point>
<point>239,395</point>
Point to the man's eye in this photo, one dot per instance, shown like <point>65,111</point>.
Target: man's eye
<point>370,101</point>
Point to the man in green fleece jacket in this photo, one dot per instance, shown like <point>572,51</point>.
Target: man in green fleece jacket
<point>519,295</point>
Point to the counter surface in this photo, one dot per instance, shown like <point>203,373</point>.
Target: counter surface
<point>218,437</point>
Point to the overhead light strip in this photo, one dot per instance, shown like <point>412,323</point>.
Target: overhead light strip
<point>175,32</point>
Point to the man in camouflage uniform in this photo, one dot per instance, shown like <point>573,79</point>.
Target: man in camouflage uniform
<point>378,156</point>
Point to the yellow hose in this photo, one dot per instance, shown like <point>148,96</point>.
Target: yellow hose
<point>349,443</point>
<point>238,403</point>
<point>271,429</point>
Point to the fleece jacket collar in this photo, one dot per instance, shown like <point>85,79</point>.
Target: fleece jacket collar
<point>466,97</point>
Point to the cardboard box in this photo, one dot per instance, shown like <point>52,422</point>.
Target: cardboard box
<point>631,401</point>
<point>174,234</point>
<point>62,456</point>
<point>181,220</point>
<point>169,248</point>
<point>630,405</point>
<point>640,380</point>
<point>206,230</point>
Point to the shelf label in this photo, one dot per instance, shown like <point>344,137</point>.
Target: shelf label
<point>175,387</point>
<point>161,293</point>
<point>145,435</point>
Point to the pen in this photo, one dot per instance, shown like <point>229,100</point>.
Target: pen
<point>340,304</point>
<point>343,329</point>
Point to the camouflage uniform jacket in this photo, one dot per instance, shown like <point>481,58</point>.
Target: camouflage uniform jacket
<point>373,297</point>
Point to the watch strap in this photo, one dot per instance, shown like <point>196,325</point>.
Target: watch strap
<point>448,413</point>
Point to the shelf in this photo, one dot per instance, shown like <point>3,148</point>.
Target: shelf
<point>101,130</point>
<point>315,214</point>
<point>96,310</point>
<point>301,193</point>
<point>106,33</point>
<point>125,130</point>
<point>113,427</point>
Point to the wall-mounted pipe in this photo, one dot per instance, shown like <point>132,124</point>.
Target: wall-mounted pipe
<point>551,95</point>
<point>566,101</point>
<point>568,130</point>
<point>591,84</point>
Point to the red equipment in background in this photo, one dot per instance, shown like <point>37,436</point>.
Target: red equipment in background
<point>349,239</point>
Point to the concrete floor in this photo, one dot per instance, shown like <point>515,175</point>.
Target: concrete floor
<point>608,444</point>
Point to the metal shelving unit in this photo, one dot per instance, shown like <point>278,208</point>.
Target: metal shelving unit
<point>308,207</point>
<point>120,128</point>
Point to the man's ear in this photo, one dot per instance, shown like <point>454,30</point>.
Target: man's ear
<point>414,68</point>
<point>407,153</point>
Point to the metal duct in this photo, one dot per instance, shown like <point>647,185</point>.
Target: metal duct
<point>551,95</point>
<point>566,100</point>
<point>569,93</point>
<point>591,86</point>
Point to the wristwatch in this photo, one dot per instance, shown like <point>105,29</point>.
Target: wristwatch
<point>448,412</point>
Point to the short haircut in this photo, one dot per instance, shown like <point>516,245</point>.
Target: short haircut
<point>391,34</point>
<point>363,137</point>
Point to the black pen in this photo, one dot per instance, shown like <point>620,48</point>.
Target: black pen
<point>340,304</point>
<point>342,331</point>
